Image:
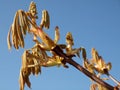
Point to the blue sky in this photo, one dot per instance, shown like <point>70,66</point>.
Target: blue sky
<point>93,23</point>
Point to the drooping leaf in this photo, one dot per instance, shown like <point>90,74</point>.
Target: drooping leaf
<point>24,78</point>
<point>9,40</point>
<point>21,81</point>
<point>93,86</point>
<point>19,28</point>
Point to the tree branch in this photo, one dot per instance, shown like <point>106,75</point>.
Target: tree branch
<point>60,52</point>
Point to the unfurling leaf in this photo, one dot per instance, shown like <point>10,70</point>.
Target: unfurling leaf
<point>99,63</point>
<point>33,10</point>
<point>57,34</point>
<point>70,42</point>
<point>95,54</point>
<point>84,54</point>
<point>69,39</point>
<point>109,66</point>
<point>45,22</point>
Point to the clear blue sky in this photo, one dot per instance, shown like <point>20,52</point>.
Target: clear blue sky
<point>93,23</point>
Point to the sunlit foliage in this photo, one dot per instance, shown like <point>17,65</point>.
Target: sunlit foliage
<point>36,57</point>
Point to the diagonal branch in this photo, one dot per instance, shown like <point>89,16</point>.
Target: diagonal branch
<point>59,52</point>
